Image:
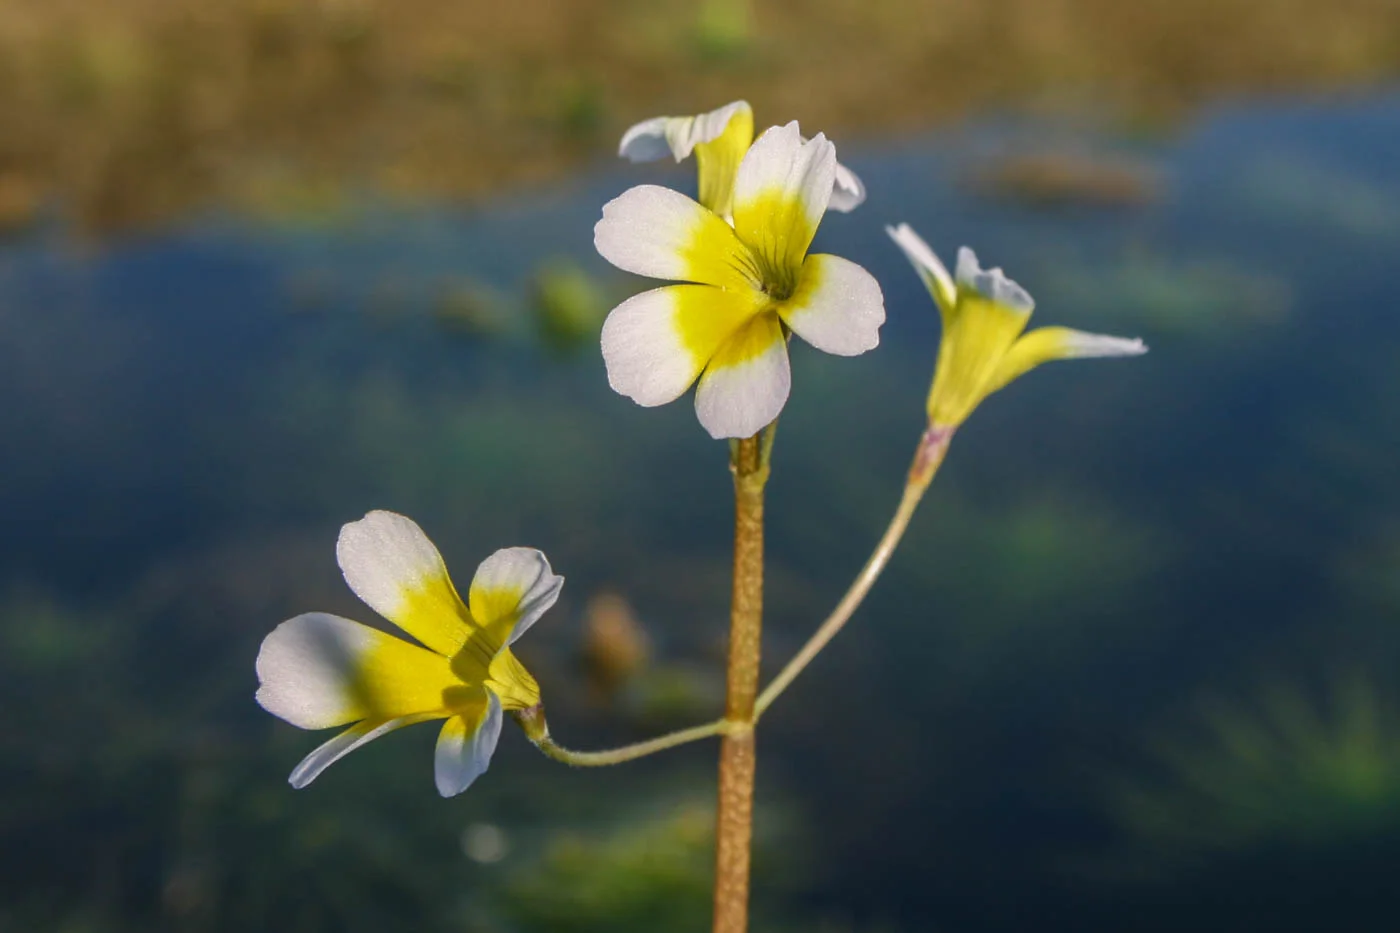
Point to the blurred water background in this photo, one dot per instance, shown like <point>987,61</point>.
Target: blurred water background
<point>268,265</point>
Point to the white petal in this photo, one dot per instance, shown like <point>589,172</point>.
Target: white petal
<point>781,160</point>
<point>838,307</point>
<point>660,233</point>
<point>738,399</point>
<point>848,191</point>
<point>518,581</point>
<point>782,172</point>
<point>319,670</point>
<point>655,344</point>
<point>646,141</point>
<point>1081,345</point>
<point>337,748</point>
<point>305,670</point>
<point>464,749</point>
<point>390,564</point>
<point>642,347</point>
<point>991,283</point>
<point>654,138</point>
<point>927,264</point>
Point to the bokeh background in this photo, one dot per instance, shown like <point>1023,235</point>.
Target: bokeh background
<point>268,264</point>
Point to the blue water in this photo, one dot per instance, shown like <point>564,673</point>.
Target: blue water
<point>1112,548</point>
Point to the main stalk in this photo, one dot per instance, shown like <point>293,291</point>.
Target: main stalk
<point>734,823</point>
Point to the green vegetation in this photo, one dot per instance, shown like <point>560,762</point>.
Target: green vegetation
<point>1285,770</point>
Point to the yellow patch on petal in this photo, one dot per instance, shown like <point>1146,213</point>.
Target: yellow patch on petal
<point>477,664</point>
<point>466,700</point>
<point>719,159</point>
<point>808,284</point>
<point>751,342</point>
<point>495,610</point>
<point>705,317</point>
<point>977,336</point>
<point>509,680</point>
<point>713,255</point>
<point>432,612</point>
<point>1058,343</point>
<point>393,678</point>
<point>492,604</point>
<point>1039,346</point>
<point>776,228</point>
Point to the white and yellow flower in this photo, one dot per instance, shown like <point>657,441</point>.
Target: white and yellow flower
<point>747,285</point>
<point>318,670</point>
<point>719,140</point>
<point>983,346</point>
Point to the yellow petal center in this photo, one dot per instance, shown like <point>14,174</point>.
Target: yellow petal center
<point>977,334</point>
<point>775,227</point>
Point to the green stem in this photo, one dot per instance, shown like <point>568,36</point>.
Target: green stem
<point>933,446</point>
<point>536,729</point>
<point>614,756</point>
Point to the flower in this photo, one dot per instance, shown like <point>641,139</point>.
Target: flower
<point>983,347</point>
<point>719,140</point>
<point>319,670</point>
<point>748,285</point>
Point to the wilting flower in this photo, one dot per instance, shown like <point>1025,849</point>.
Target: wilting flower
<point>319,670</point>
<point>983,348</point>
<point>748,284</point>
<point>719,140</point>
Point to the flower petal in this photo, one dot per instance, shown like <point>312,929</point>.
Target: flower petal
<point>655,344</point>
<point>780,194</point>
<point>1058,343</point>
<point>648,141</point>
<point>837,307</point>
<point>507,678</point>
<point>847,192</point>
<point>654,138</point>
<point>663,234</point>
<point>465,746</point>
<point>935,275</point>
<point>346,742</point>
<point>718,162</point>
<point>991,284</point>
<point>318,670</point>
<point>975,341</point>
<point>511,590</point>
<point>390,564</point>
<point>747,383</point>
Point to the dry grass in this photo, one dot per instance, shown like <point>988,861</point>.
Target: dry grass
<point>133,112</point>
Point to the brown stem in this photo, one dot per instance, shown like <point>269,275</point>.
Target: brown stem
<point>734,823</point>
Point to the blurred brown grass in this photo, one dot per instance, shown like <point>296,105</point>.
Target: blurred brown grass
<point>130,113</point>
